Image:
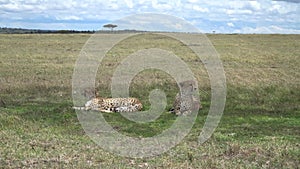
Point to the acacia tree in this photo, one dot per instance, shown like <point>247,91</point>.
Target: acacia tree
<point>111,26</point>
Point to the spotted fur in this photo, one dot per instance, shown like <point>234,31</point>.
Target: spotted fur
<point>109,105</point>
<point>185,101</point>
<point>114,104</point>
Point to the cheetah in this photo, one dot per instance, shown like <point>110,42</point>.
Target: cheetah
<point>185,102</point>
<point>110,105</point>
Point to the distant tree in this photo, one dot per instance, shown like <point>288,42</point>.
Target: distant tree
<point>111,26</point>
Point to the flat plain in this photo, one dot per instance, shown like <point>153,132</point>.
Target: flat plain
<point>260,126</point>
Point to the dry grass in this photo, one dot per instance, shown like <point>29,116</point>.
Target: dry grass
<point>260,127</point>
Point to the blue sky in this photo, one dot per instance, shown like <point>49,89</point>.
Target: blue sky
<point>222,16</point>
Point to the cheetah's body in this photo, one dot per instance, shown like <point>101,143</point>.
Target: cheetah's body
<point>114,104</point>
<point>185,102</point>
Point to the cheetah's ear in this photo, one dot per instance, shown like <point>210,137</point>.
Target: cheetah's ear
<point>97,93</point>
<point>89,93</point>
<point>194,85</point>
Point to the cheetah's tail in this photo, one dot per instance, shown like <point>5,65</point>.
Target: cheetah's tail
<point>79,108</point>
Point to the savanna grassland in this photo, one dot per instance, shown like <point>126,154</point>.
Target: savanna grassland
<point>260,127</point>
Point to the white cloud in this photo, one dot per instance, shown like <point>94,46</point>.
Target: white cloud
<point>155,22</point>
<point>192,1</point>
<point>200,9</point>
<point>161,5</point>
<point>268,30</point>
<point>282,8</point>
<point>230,24</point>
<point>225,15</point>
<point>238,12</point>
<point>255,5</point>
<point>129,3</point>
<point>69,17</point>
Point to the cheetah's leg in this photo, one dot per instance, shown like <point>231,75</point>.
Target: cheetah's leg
<point>105,111</point>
